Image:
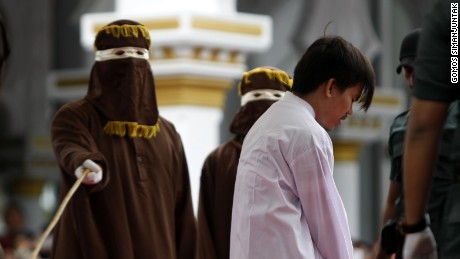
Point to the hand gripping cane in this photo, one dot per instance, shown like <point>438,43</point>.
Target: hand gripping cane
<point>58,214</point>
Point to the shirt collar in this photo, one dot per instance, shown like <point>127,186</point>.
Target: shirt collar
<point>290,97</point>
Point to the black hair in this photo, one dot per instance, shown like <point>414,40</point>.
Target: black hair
<point>333,57</point>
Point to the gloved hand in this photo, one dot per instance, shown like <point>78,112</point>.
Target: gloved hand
<point>93,177</point>
<point>420,245</point>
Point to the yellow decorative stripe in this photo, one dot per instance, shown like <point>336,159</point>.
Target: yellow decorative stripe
<point>278,75</point>
<point>161,24</point>
<point>346,150</point>
<point>225,26</point>
<point>126,31</point>
<point>158,24</point>
<point>386,100</point>
<point>120,128</point>
<point>198,23</point>
<point>191,90</point>
<point>168,53</point>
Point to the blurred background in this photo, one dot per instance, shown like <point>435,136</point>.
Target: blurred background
<point>200,48</point>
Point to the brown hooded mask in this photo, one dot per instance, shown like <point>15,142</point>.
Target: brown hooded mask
<point>251,88</point>
<point>122,86</point>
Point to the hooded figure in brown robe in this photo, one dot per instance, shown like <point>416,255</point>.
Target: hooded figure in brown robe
<point>136,202</point>
<point>259,89</point>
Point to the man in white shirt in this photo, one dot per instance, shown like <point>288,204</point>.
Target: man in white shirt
<point>286,204</point>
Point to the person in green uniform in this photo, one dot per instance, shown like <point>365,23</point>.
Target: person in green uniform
<point>435,91</point>
<point>394,207</point>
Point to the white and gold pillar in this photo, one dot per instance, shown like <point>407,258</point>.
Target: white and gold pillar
<point>346,176</point>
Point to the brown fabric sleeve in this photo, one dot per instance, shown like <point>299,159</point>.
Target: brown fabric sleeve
<point>73,144</point>
<point>206,246</point>
<point>185,218</point>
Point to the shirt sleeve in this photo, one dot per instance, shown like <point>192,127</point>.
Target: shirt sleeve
<point>321,203</point>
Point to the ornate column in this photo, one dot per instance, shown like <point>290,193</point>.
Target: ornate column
<point>199,50</point>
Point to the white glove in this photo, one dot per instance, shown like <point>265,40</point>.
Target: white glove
<point>420,245</point>
<point>93,177</point>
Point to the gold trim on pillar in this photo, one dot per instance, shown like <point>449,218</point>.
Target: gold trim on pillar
<point>215,55</point>
<point>386,100</point>
<point>191,90</point>
<point>233,57</point>
<point>205,23</point>
<point>155,24</point>
<point>168,52</point>
<point>214,24</point>
<point>346,150</point>
<point>161,24</point>
<point>197,52</point>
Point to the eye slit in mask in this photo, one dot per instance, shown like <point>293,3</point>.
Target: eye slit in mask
<point>139,52</point>
<point>256,94</point>
<point>119,52</point>
<point>277,95</point>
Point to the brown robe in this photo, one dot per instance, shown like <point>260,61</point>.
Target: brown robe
<point>217,185</point>
<point>142,208</point>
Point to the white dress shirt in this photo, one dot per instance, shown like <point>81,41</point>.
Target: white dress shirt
<point>286,204</point>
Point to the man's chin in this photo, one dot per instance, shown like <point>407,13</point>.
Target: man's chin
<point>327,128</point>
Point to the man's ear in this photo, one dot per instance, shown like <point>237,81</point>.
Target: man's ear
<point>328,86</point>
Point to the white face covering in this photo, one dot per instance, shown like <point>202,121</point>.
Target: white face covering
<point>262,94</point>
<point>125,52</point>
